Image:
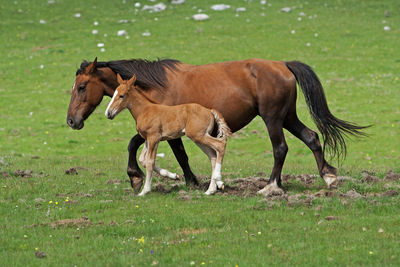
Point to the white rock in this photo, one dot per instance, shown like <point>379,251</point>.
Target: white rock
<point>302,14</point>
<point>177,2</point>
<point>286,9</point>
<point>220,7</point>
<point>137,4</point>
<point>292,31</point>
<point>100,45</point>
<point>155,8</point>
<point>123,21</point>
<point>102,49</point>
<point>386,28</point>
<point>263,2</point>
<point>95,32</point>
<point>77,15</point>
<point>42,21</point>
<point>161,155</point>
<point>146,34</point>
<point>308,44</point>
<point>121,32</point>
<point>200,17</point>
<point>240,9</point>
<point>96,23</point>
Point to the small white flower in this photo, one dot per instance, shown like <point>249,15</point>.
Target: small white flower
<point>263,2</point>
<point>77,15</point>
<point>96,23</point>
<point>286,9</point>
<point>240,9</point>
<point>95,32</point>
<point>292,31</point>
<point>41,66</point>
<point>102,49</point>
<point>386,28</point>
<point>137,4</point>
<point>299,19</point>
<point>42,21</point>
<point>308,44</point>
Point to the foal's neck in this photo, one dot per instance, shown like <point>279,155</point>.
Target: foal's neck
<point>138,102</point>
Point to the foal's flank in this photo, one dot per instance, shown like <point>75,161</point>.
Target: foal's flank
<point>157,123</point>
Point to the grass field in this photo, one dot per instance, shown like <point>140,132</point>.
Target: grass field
<point>50,218</point>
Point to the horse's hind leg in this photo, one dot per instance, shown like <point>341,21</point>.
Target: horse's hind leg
<point>310,138</point>
<point>134,172</point>
<point>180,154</point>
<point>280,149</point>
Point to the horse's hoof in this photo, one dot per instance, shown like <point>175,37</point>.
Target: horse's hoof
<point>331,180</point>
<point>136,183</point>
<point>271,190</point>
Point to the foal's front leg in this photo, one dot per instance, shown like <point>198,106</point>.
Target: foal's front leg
<point>150,160</point>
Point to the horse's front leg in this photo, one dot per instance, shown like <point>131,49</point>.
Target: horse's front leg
<point>180,154</point>
<point>134,172</point>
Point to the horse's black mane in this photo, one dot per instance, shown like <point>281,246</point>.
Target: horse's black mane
<point>148,73</point>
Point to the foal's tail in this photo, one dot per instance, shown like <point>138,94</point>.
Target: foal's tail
<point>333,130</point>
<point>223,129</point>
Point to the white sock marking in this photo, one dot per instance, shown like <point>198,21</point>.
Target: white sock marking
<point>112,100</point>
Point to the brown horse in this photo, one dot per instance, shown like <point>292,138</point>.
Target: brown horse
<point>239,90</point>
<point>155,123</point>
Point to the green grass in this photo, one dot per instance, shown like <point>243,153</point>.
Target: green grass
<point>356,60</point>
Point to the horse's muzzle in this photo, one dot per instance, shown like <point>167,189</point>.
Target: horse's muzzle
<point>74,124</point>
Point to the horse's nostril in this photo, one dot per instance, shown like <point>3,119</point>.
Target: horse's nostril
<point>70,122</point>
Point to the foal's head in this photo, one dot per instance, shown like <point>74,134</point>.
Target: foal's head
<point>120,99</point>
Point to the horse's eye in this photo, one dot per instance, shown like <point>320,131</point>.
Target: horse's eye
<point>82,87</point>
<point>121,96</point>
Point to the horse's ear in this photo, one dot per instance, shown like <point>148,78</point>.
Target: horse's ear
<point>119,78</point>
<point>132,80</point>
<point>92,66</point>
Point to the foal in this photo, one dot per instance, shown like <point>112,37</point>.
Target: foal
<point>157,123</point>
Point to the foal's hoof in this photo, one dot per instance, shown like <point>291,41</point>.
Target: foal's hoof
<point>143,193</point>
<point>210,192</point>
<point>271,190</point>
<point>331,180</point>
<point>220,185</point>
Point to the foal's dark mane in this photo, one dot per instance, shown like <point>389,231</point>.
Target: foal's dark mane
<point>148,73</point>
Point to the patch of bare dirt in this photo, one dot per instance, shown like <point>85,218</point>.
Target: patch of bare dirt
<point>71,171</point>
<point>78,222</point>
<point>369,178</point>
<point>392,176</point>
<point>23,173</point>
<point>193,231</point>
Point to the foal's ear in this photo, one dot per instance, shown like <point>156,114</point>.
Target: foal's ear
<point>132,80</point>
<point>119,79</point>
<point>92,66</point>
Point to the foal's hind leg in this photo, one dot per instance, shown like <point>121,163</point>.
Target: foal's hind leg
<point>280,149</point>
<point>218,145</point>
<point>310,138</point>
<point>212,155</point>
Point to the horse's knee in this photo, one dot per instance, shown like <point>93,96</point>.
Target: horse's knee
<point>281,150</point>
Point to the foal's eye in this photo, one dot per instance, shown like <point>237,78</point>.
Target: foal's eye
<point>121,96</point>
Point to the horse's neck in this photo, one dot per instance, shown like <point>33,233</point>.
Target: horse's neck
<point>138,103</point>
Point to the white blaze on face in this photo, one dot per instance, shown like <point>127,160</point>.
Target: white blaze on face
<point>73,87</point>
<point>112,100</point>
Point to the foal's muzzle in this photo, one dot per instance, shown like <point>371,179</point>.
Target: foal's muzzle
<point>110,114</point>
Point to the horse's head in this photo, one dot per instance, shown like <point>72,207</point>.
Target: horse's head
<point>120,99</point>
<point>91,84</point>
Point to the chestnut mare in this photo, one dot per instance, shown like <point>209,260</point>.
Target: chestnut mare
<point>239,90</point>
<point>155,123</point>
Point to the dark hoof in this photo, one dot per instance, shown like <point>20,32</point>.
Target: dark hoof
<point>136,183</point>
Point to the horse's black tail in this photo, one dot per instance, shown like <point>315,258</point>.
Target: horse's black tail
<point>333,130</point>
